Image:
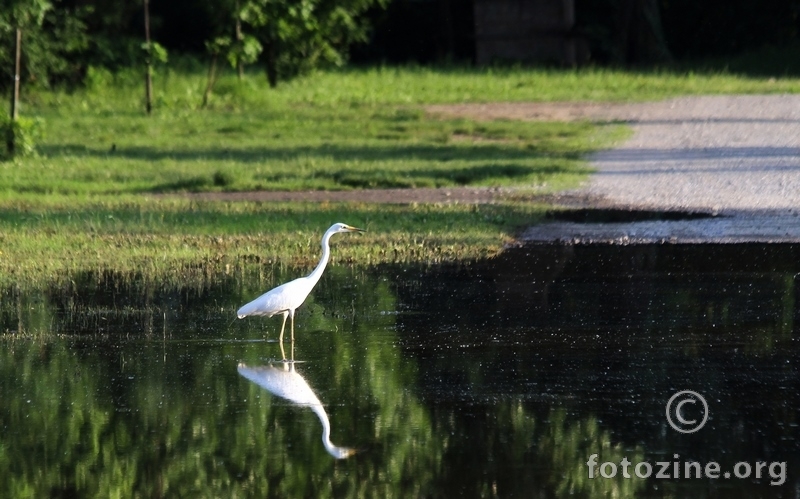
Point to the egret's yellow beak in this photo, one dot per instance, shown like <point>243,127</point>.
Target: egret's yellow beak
<point>355,229</point>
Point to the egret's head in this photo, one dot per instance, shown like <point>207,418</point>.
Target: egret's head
<point>341,452</point>
<point>340,227</point>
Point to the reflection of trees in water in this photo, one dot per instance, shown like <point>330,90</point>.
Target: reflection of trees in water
<point>670,294</point>
<point>110,303</point>
<point>175,419</point>
<point>475,383</point>
<point>567,444</point>
<point>508,449</point>
<point>614,331</point>
<point>156,438</point>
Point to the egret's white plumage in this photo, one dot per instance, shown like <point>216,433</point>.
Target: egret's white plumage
<point>287,297</point>
<point>287,383</point>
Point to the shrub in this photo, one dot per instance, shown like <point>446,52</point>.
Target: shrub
<point>19,136</point>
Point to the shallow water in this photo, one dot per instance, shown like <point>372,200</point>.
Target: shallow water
<point>497,378</point>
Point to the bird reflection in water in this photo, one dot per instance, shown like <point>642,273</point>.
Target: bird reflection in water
<point>286,383</point>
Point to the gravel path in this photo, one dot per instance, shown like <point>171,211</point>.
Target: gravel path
<point>725,154</point>
<point>734,156</point>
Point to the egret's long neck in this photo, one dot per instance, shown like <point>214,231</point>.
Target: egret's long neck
<point>333,450</point>
<point>326,426</point>
<point>323,262</point>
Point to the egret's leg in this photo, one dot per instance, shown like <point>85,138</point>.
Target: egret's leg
<point>291,314</point>
<point>282,327</point>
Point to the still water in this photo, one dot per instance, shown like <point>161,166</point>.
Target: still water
<point>498,378</point>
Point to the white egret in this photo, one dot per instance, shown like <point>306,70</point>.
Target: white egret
<point>287,297</point>
<point>288,384</point>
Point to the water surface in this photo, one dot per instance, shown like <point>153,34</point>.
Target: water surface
<point>494,378</point>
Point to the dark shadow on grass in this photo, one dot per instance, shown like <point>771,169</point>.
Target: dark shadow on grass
<point>196,219</point>
<point>484,162</point>
<point>434,178</point>
<point>193,184</point>
<point>377,179</point>
<point>427,152</point>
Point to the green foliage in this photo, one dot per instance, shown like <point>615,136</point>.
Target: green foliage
<point>244,51</point>
<point>98,77</point>
<point>292,37</point>
<point>154,52</point>
<point>23,14</point>
<point>52,40</point>
<point>218,45</point>
<point>20,136</point>
<point>298,36</point>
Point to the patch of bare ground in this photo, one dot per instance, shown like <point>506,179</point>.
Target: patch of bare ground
<point>537,111</point>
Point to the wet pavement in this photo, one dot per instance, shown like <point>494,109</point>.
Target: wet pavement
<point>673,227</point>
<point>733,158</point>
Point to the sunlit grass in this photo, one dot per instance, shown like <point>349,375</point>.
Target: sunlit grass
<point>97,142</point>
<point>330,130</point>
<point>410,86</point>
<point>395,86</point>
<point>179,242</point>
<point>307,149</point>
<point>344,129</point>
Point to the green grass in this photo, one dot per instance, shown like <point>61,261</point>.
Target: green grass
<point>331,130</point>
<point>178,242</point>
<point>98,141</point>
<point>80,205</point>
<point>306,148</point>
<point>415,86</point>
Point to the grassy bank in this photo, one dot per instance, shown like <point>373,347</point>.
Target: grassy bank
<point>82,203</point>
<point>182,243</point>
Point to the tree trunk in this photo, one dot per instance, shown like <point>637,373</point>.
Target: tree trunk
<point>239,38</point>
<point>17,64</point>
<point>148,79</point>
<point>447,46</point>
<point>272,65</point>
<point>11,135</point>
<point>641,34</point>
<point>212,76</point>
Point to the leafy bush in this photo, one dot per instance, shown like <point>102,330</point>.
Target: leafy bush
<point>54,40</point>
<point>19,137</point>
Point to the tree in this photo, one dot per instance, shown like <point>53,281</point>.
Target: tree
<point>215,47</point>
<point>153,52</point>
<point>640,32</point>
<point>624,31</point>
<point>148,48</point>
<point>15,17</point>
<point>298,35</point>
<point>229,41</point>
